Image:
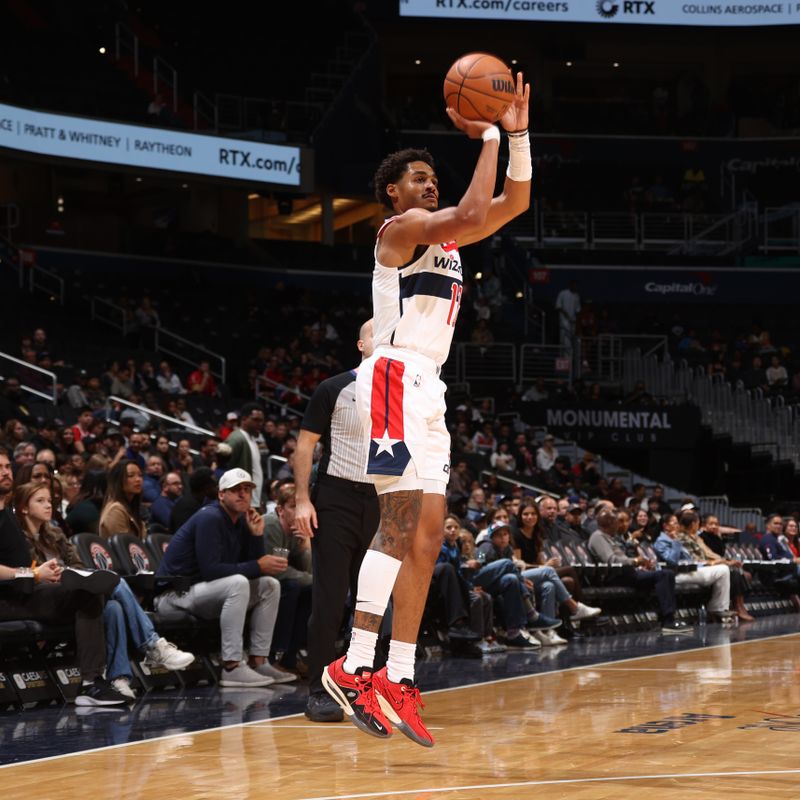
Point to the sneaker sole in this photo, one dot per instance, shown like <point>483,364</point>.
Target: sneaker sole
<point>177,666</point>
<point>83,700</point>
<point>587,616</point>
<point>262,684</point>
<point>332,688</point>
<point>403,727</point>
<point>677,633</point>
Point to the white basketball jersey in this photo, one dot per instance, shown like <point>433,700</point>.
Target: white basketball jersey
<point>415,306</point>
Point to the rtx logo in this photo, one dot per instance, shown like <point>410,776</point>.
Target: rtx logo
<point>608,8</point>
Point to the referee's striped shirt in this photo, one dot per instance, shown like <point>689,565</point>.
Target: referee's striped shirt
<point>331,413</point>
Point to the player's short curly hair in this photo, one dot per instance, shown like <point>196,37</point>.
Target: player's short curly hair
<point>392,167</point>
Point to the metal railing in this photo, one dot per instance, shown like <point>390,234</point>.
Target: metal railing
<point>604,356</point>
<point>23,373</point>
<point>284,408</point>
<point>488,362</point>
<point>165,341</point>
<point>103,310</point>
<point>164,73</point>
<point>666,231</point>
<point>149,412</point>
<point>551,362</point>
<point>781,229</point>
<point>9,219</point>
<point>43,280</point>
<point>126,42</point>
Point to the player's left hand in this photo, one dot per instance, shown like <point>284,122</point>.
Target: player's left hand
<point>516,116</point>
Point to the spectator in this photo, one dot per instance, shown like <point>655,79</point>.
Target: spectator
<point>678,543</point>
<point>740,580</point>
<point>245,452</point>
<point>537,393</point>
<point>171,486</point>
<point>146,315</point>
<point>484,441</point>
<point>777,377</point>
<point>230,425</point>
<point>201,381</point>
<point>121,506</point>
<point>280,531</point>
<point>221,550</point>
<point>636,571</point>
<point>154,472</point>
<point>547,454</point>
<point>122,614</point>
<point>50,601</point>
<point>202,490</point>
<point>568,306</point>
<point>168,381</point>
<point>83,516</point>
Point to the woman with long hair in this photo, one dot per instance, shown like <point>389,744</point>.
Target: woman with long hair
<point>83,515</point>
<point>550,588</point>
<point>14,432</point>
<point>122,614</point>
<point>122,503</point>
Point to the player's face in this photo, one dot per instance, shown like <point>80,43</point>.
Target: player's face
<point>419,187</point>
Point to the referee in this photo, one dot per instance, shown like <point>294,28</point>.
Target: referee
<point>344,514</point>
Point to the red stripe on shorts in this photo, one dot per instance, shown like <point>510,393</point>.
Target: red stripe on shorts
<point>386,403</point>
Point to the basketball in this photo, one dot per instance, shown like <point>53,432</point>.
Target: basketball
<point>479,86</point>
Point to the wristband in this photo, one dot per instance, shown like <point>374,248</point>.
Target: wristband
<point>519,156</point>
<point>491,134</point>
<point>36,574</point>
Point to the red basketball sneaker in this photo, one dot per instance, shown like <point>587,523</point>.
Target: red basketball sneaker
<point>356,697</point>
<point>399,702</point>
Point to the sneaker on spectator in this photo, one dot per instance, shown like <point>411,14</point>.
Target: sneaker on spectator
<point>165,654</point>
<point>585,612</point>
<point>356,697</point>
<point>97,581</point>
<point>123,686</point>
<point>495,646</point>
<point>548,638</point>
<point>544,623</point>
<point>521,642</point>
<point>99,693</point>
<point>400,702</point>
<point>242,675</point>
<point>462,631</point>
<point>676,626</point>
<point>278,675</point>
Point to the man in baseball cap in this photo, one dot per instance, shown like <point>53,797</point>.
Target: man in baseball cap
<point>234,478</point>
<point>220,548</point>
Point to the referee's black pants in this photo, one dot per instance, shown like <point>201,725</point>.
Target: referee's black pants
<point>347,519</point>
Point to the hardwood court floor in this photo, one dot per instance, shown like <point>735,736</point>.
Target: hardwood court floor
<point>705,723</point>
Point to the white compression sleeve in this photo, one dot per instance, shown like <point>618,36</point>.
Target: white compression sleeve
<point>519,157</point>
<point>375,582</point>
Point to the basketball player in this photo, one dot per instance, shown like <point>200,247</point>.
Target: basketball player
<point>416,291</point>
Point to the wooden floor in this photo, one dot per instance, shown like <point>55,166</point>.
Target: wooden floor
<point>706,723</point>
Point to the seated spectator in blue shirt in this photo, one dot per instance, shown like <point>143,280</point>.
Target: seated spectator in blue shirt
<point>154,472</point>
<point>221,550</point>
<point>171,490</point>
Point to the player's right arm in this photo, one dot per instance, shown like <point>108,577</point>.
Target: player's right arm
<point>417,226</point>
<point>306,514</point>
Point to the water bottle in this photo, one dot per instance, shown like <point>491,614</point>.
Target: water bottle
<point>702,616</point>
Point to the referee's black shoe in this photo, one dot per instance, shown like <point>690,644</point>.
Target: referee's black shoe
<point>321,707</point>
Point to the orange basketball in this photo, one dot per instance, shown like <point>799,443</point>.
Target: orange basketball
<point>479,86</point>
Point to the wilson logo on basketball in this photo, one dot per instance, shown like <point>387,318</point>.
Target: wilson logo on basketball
<point>500,85</point>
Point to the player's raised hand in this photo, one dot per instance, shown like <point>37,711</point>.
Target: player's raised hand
<point>516,116</point>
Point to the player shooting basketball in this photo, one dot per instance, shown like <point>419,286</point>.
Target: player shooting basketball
<point>416,291</point>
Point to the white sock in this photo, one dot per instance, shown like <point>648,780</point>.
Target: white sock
<point>401,661</point>
<point>361,652</point>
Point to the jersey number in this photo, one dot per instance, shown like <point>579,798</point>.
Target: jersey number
<point>455,303</point>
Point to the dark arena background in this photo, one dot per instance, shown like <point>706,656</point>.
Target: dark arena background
<point>187,226</point>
